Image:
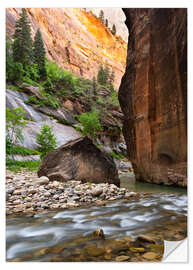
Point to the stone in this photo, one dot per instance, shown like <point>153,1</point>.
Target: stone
<point>122,258</point>
<point>47,194</point>
<point>80,160</point>
<point>92,250</point>
<point>32,191</point>
<point>135,249</point>
<point>145,238</point>
<point>128,195</point>
<point>149,255</point>
<point>43,180</point>
<point>10,190</point>
<point>99,234</point>
<point>18,192</point>
<point>97,191</point>
<point>153,94</point>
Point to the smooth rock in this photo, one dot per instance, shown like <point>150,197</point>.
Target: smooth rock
<point>43,180</point>
<point>149,255</point>
<point>122,258</point>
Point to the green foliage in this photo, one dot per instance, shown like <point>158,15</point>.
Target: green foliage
<point>46,140</point>
<point>39,54</point>
<point>90,123</point>
<point>48,86</point>
<point>100,101</point>
<point>16,166</point>
<point>113,98</point>
<point>19,150</point>
<point>31,74</point>
<point>14,119</point>
<point>47,100</point>
<point>22,45</point>
<point>116,156</point>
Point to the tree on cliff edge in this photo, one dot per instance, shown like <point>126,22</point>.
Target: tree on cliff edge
<point>22,45</point>
<point>101,16</point>
<point>114,30</point>
<point>39,54</point>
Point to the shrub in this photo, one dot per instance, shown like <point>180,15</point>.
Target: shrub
<point>46,140</point>
<point>19,150</point>
<point>16,165</point>
<point>90,123</point>
<point>48,86</point>
<point>14,119</point>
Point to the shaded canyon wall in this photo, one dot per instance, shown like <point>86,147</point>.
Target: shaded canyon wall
<point>153,94</point>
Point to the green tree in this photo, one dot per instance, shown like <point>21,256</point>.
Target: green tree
<point>39,54</point>
<point>94,85</point>
<point>106,74</point>
<point>46,140</point>
<point>14,122</point>
<point>114,30</point>
<point>101,16</point>
<point>111,80</point>
<point>90,123</point>
<point>101,75</point>
<point>22,45</point>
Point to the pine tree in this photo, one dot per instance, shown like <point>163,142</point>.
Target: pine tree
<point>106,23</point>
<point>101,16</point>
<point>22,45</point>
<point>39,54</point>
<point>112,77</point>
<point>106,74</point>
<point>94,85</point>
<point>101,75</point>
<point>113,31</point>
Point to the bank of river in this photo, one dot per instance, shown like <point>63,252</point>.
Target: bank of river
<point>67,235</point>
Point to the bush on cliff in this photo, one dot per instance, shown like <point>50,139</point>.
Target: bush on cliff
<point>90,123</point>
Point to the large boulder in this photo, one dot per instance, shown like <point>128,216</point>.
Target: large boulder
<point>80,160</point>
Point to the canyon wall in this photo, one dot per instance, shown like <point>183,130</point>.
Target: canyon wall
<point>153,94</point>
<point>75,39</point>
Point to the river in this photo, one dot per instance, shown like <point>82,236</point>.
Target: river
<point>38,238</point>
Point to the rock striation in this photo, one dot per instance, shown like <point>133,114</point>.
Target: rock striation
<point>79,160</point>
<point>153,94</point>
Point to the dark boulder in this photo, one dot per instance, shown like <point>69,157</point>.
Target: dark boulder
<point>79,160</point>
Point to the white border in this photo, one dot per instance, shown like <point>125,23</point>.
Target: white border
<point>98,3</point>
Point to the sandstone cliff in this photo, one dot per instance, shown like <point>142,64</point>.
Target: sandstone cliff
<point>153,94</point>
<point>75,39</point>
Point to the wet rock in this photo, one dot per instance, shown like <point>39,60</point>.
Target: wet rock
<point>92,250</point>
<point>135,249</point>
<point>149,255</point>
<point>145,238</point>
<point>98,234</point>
<point>122,258</point>
<point>79,159</point>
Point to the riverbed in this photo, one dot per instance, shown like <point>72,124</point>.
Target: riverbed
<point>65,235</point>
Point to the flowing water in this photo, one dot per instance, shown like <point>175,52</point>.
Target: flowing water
<point>37,238</point>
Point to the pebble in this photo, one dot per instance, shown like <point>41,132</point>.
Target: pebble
<point>122,258</point>
<point>149,255</point>
<point>43,180</point>
<point>26,192</point>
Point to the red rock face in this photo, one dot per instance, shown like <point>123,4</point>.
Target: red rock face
<point>153,94</point>
<point>76,40</point>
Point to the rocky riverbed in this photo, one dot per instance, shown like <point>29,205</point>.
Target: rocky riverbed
<point>28,193</point>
